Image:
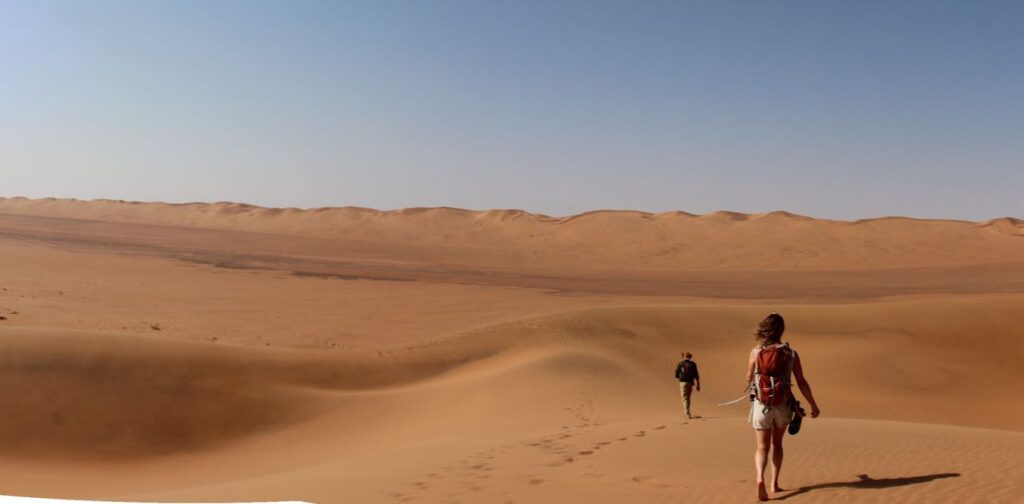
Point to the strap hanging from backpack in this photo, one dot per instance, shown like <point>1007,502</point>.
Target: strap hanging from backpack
<point>746,395</point>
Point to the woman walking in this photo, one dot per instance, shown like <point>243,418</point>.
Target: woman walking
<point>770,369</point>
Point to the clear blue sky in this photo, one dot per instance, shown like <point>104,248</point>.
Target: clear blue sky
<point>829,108</point>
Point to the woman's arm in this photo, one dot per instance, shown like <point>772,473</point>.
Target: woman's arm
<point>805,388</point>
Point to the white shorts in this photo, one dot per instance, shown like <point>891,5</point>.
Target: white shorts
<point>776,417</point>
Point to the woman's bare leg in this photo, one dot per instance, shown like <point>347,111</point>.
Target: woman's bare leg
<point>761,460</point>
<point>777,436</point>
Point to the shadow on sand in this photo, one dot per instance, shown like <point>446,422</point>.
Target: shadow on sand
<point>866,482</point>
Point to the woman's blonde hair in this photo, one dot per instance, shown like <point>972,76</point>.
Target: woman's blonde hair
<point>770,329</point>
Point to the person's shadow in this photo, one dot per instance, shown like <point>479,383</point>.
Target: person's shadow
<point>866,482</point>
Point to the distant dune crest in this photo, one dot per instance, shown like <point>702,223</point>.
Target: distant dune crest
<point>600,239</point>
<point>125,208</point>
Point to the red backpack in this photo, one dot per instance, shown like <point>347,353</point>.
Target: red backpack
<point>773,367</point>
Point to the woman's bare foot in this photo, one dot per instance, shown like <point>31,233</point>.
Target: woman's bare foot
<point>762,494</point>
<point>776,488</point>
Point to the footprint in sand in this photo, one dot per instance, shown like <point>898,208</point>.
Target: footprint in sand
<point>536,481</point>
<point>640,434</point>
<point>586,452</point>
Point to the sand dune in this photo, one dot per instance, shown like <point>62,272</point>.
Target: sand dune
<point>540,403</point>
<point>228,352</point>
<point>611,240</point>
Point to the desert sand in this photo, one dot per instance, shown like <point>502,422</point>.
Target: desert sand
<point>223,352</point>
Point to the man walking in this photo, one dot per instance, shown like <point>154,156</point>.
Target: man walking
<point>686,373</point>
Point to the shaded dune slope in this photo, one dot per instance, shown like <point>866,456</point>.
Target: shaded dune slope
<point>96,395</point>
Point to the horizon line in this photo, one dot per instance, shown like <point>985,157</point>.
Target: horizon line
<point>539,215</point>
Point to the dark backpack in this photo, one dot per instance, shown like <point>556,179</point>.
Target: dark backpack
<point>684,371</point>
